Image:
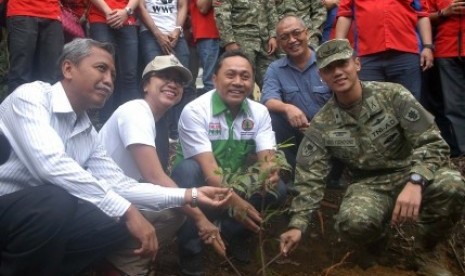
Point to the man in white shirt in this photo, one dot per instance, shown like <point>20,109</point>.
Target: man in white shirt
<point>63,202</point>
<point>219,131</point>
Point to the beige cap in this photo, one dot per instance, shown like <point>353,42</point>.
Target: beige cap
<point>160,63</point>
<point>332,50</point>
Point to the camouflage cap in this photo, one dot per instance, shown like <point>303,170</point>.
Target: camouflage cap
<point>160,63</point>
<point>332,50</point>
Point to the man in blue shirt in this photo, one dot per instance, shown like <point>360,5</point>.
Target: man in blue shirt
<point>293,91</point>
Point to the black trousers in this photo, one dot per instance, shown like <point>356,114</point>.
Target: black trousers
<point>46,231</point>
<point>34,46</point>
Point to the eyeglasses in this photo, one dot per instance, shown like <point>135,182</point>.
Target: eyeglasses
<point>170,77</point>
<point>296,33</point>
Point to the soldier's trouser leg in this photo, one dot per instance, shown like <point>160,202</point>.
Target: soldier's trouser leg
<point>250,49</point>
<point>262,61</point>
<point>442,205</point>
<point>364,213</point>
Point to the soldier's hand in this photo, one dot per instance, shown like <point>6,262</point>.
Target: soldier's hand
<point>296,117</point>
<point>289,240</point>
<point>245,213</point>
<point>407,205</point>
<point>143,231</point>
<point>232,46</point>
<point>272,46</point>
<point>273,179</point>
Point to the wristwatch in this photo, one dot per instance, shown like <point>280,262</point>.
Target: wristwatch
<point>129,11</point>
<point>418,179</point>
<point>194,197</point>
<point>429,46</point>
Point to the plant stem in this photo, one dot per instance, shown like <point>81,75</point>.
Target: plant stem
<point>233,266</point>
<point>271,261</point>
<point>261,243</point>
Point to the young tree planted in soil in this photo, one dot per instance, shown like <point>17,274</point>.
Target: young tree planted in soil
<point>254,180</point>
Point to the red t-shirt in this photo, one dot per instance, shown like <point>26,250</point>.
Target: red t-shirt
<point>97,16</point>
<point>446,38</point>
<point>37,8</point>
<point>203,25</point>
<point>382,25</point>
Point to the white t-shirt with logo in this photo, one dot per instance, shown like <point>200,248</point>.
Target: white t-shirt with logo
<point>163,13</point>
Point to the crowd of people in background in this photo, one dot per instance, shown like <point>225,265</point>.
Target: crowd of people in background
<point>391,46</point>
<point>271,45</point>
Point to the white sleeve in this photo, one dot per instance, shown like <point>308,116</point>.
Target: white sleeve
<point>193,133</point>
<point>136,126</point>
<point>26,123</point>
<point>265,138</point>
<point>143,195</point>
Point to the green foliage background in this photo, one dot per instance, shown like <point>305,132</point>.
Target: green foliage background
<point>4,65</point>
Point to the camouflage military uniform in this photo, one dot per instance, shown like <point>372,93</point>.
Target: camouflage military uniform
<point>312,12</point>
<point>249,23</point>
<point>392,137</point>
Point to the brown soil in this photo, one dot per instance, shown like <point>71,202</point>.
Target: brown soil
<point>322,252</point>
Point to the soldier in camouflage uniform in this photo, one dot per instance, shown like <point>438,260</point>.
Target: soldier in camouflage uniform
<point>399,163</point>
<point>249,25</point>
<point>312,12</point>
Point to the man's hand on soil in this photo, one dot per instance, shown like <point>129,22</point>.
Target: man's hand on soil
<point>290,240</point>
<point>407,205</point>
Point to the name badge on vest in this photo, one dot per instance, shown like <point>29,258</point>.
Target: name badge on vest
<point>339,138</point>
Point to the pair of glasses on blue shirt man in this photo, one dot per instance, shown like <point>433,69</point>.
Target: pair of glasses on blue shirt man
<point>296,33</point>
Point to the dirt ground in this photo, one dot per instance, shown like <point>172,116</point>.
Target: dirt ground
<point>322,252</point>
<point>318,254</point>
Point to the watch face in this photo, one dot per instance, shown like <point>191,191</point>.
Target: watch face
<point>416,177</point>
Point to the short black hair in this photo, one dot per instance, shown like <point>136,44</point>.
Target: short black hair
<point>76,50</point>
<point>233,53</point>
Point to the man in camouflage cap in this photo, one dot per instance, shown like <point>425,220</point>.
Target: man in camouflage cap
<point>401,172</point>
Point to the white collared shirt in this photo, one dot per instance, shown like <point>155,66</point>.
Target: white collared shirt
<point>52,144</point>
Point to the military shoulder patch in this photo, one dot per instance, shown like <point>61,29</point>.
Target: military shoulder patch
<point>308,148</point>
<point>412,115</point>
